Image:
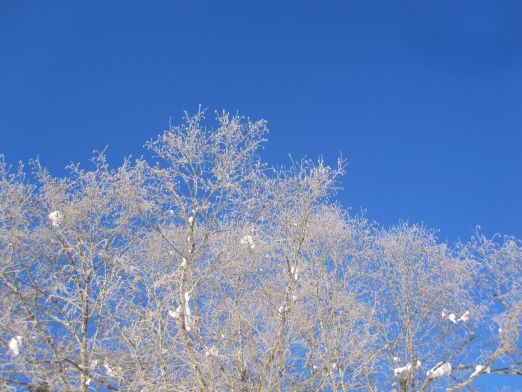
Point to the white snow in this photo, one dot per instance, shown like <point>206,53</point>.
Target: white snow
<point>282,309</point>
<point>108,369</point>
<point>15,344</point>
<point>396,359</point>
<point>480,369</point>
<point>465,316</point>
<point>453,317</point>
<point>401,370</point>
<point>295,272</point>
<point>184,262</point>
<point>174,313</point>
<point>191,220</point>
<point>249,241</point>
<point>211,351</point>
<point>171,253</point>
<point>439,370</point>
<point>187,299</point>
<point>405,368</point>
<point>56,218</point>
<point>187,312</point>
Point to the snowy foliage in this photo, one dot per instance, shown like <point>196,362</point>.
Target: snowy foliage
<point>143,278</point>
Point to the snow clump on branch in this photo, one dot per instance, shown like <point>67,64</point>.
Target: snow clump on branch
<point>248,240</point>
<point>187,312</point>
<point>406,368</point>
<point>56,218</point>
<point>480,369</point>
<point>453,317</point>
<point>439,370</point>
<point>15,344</point>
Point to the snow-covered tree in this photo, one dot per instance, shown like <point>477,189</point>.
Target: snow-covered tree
<point>202,268</point>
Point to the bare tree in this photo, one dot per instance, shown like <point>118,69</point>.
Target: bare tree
<point>201,268</point>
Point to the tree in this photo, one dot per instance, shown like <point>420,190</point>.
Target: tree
<point>202,268</point>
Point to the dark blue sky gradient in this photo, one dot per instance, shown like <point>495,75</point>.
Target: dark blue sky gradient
<point>423,100</point>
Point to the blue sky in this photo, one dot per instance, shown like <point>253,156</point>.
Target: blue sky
<point>423,100</point>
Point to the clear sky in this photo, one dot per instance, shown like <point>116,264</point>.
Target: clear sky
<point>422,98</point>
<point>424,101</point>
